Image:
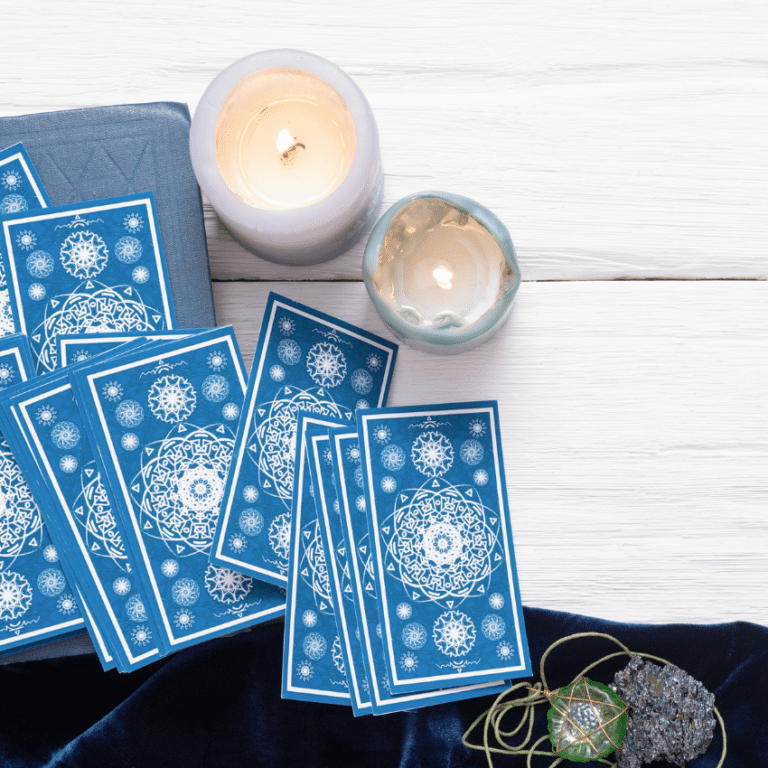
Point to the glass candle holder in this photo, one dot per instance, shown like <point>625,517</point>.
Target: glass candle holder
<point>286,149</point>
<point>441,271</point>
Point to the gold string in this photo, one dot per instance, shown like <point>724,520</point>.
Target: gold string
<point>538,694</point>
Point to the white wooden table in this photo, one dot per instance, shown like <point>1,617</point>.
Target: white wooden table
<point>625,147</point>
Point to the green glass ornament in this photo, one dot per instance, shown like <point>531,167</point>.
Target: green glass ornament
<point>587,720</point>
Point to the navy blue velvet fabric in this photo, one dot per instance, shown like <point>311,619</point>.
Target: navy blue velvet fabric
<point>218,704</point>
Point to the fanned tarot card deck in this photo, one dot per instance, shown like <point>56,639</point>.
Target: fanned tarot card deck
<point>363,623</point>
<point>20,190</point>
<point>162,423</point>
<point>304,360</point>
<point>81,510</point>
<point>313,660</point>
<point>443,559</point>
<point>37,602</point>
<point>86,268</point>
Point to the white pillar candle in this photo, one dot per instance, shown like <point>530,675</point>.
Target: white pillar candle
<point>286,149</point>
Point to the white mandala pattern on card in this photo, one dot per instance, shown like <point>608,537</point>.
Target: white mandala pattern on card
<point>84,254</point>
<point>135,608</point>
<point>112,391</point>
<point>286,326</point>
<point>128,249</point>
<point>20,520</point>
<point>181,484</point>
<point>505,650</point>
<point>141,636</point>
<point>326,364</point>
<point>404,611</point>
<point>305,671</point>
<point>227,586</point>
<point>6,314</point>
<point>454,633</point>
<point>140,275</point>
<point>414,636</point>
<point>13,204</point>
<point>65,435</point>
<point>50,554</point>
<point>36,291</point>
<point>237,543</point>
<point>7,374</point>
<point>90,308</point>
<point>169,568</point>
<point>272,445</point>
<point>11,180</point>
<point>121,586</point>
<point>133,222</point>
<point>94,514</point>
<point>315,646</point>
<point>129,414</point>
<point>289,352</point>
<point>51,582</point>
<point>373,361</point>
<point>309,618</point>
<point>215,388</point>
<point>26,240</point>
<point>185,592</point>
<point>480,477</point>
<point>280,538</point>
<point>184,618</point>
<point>496,601</point>
<point>471,452</point>
<point>493,627</point>
<point>442,543</point>
<point>277,373</point>
<point>388,484</point>
<point>409,662</point>
<point>15,595</point>
<point>68,464</point>
<point>313,568</point>
<point>432,454</point>
<point>361,381</point>
<point>129,441</point>
<point>382,434</point>
<point>40,264</point>
<point>172,398</point>
<point>66,605</point>
<point>393,458</point>
<point>251,522</point>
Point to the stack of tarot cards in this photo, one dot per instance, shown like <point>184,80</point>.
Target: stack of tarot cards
<point>388,527</point>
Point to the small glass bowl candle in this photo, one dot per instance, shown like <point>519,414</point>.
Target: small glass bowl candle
<point>441,271</point>
<point>286,149</point>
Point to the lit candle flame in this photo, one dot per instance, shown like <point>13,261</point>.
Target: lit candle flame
<point>443,277</point>
<point>284,141</point>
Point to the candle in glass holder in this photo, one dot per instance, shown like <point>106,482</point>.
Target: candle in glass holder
<point>441,271</point>
<point>286,149</point>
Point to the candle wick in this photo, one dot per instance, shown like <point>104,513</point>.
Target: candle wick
<point>289,153</point>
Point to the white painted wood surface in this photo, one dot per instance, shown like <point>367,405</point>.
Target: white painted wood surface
<point>616,140</point>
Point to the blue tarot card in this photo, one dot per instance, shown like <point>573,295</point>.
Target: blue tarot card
<point>349,484</point>
<point>76,348</point>
<point>161,418</point>
<point>94,267</point>
<point>443,559</point>
<point>37,602</point>
<point>313,661</point>
<point>304,360</point>
<point>86,526</point>
<point>20,190</point>
<point>335,552</point>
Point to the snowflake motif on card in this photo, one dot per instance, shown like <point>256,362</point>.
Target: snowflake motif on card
<point>251,522</point>
<point>121,586</point>
<point>81,355</point>
<point>373,361</point>
<point>404,611</point>
<point>315,646</point>
<point>66,605</point>
<point>36,291</point>
<point>471,452</point>
<point>443,543</point>
<point>135,609</point>
<point>250,494</point>
<point>51,582</point>
<point>26,240</point>
<point>505,650</point>
<point>388,484</point>
<point>40,264</point>
<point>393,458</point>
<point>272,445</point>
<point>289,352</point>
<point>46,416</point>
<point>172,398</point>
<point>414,636</point>
<point>65,435</point>
<point>185,592</point>
<point>20,521</point>
<point>280,538</point>
<point>140,275</point>
<point>305,671</point>
<point>129,414</point>
<point>215,388</point>
<point>216,361</point>
<point>227,586</point>
<point>326,364</point>
<point>112,391</point>
<point>92,307</point>
<point>133,222</point>
<point>353,452</point>
<point>359,477</point>
<point>286,326</point>
<point>496,601</point>
<point>15,595</point>
<point>128,249</point>
<point>277,373</point>
<point>454,633</point>
<point>313,568</point>
<point>309,618</point>
<point>130,441</point>
<point>184,618</point>
<point>382,434</point>
<point>6,314</point>
<point>230,412</point>
<point>84,255</point>
<point>477,428</point>
<point>493,627</point>
<point>68,464</point>
<point>237,543</point>
<point>141,636</point>
<point>6,374</point>
<point>336,655</point>
<point>11,180</point>
<point>93,512</point>
<point>480,477</point>
<point>13,204</point>
<point>169,568</point>
<point>360,503</point>
<point>409,662</point>
<point>180,487</point>
<point>361,405</point>
<point>432,454</point>
<point>361,381</point>
<point>50,555</point>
